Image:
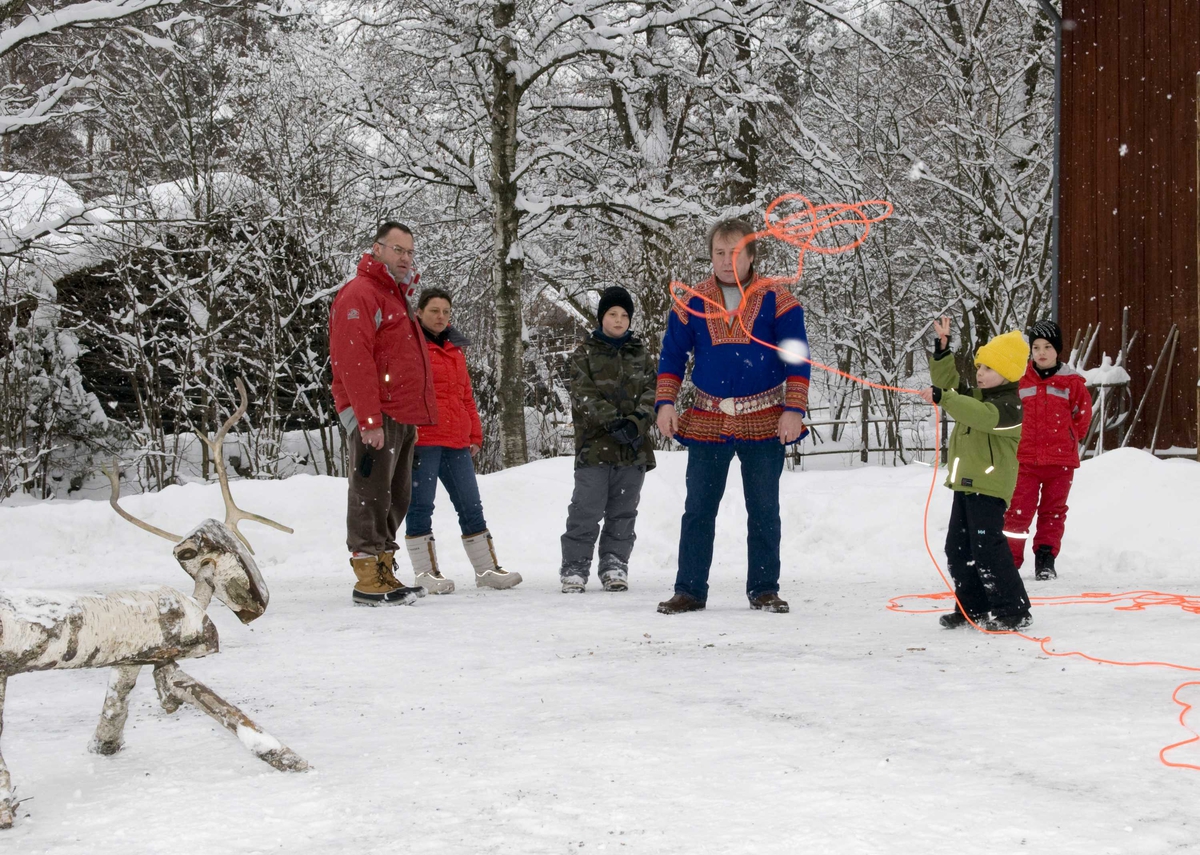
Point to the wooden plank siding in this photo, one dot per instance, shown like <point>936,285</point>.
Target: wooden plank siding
<point>1130,228</point>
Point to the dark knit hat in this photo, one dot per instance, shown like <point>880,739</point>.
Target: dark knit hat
<point>1048,330</point>
<point>614,295</point>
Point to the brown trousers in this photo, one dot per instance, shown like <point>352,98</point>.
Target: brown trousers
<point>378,500</point>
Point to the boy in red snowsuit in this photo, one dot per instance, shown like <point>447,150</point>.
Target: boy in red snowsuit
<point>1057,411</point>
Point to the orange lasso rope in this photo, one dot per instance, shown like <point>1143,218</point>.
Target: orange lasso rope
<point>801,229</point>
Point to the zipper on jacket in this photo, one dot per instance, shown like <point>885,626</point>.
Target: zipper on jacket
<point>991,458</point>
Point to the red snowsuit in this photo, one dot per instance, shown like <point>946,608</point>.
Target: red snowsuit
<point>458,423</point>
<point>1056,413</point>
<point>377,347</point>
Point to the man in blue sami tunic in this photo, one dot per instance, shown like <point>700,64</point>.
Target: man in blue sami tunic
<point>749,402</point>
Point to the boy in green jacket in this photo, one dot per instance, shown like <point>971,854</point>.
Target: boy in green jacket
<point>613,383</point>
<point>983,473</point>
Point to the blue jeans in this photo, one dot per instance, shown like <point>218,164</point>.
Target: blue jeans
<point>456,470</point>
<point>707,472</point>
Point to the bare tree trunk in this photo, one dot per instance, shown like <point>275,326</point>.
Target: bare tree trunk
<point>744,183</point>
<point>508,262</point>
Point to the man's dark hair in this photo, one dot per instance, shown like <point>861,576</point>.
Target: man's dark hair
<point>733,226</point>
<point>385,228</point>
<point>433,294</point>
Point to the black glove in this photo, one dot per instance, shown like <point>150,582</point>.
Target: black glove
<point>937,395</point>
<point>625,431</point>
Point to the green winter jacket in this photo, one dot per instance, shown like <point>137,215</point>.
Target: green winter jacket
<point>987,430</point>
<point>610,383</point>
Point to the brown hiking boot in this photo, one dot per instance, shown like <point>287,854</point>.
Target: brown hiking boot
<point>387,572</point>
<point>371,589</point>
<point>679,604</point>
<point>770,603</point>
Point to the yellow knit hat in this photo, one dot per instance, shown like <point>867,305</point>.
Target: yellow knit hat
<point>1006,354</point>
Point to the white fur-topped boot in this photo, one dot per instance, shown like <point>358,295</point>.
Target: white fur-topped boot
<point>488,572</point>
<point>423,554</point>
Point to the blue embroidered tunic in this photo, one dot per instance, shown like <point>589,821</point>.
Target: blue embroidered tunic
<point>728,365</point>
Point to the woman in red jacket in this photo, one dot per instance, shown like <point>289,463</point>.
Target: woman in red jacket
<point>445,451</point>
<point>1057,409</point>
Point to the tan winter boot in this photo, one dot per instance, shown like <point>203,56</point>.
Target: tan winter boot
<point>387,570</point>
<point>372,589</point>
<point>488,572</point>
<point>423,554</point>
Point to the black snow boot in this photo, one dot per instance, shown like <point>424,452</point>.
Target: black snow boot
<point>954,619</point>
<point>1008,623</point>
<point>1043,563</point>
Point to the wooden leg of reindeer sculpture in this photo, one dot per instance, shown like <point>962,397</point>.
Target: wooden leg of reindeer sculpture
<point>110,731</point>
<point>176,687</point>
<point>6,796</point>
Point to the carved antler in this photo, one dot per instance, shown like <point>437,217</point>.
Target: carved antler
<point>234,514</point>
<point>115,478</point>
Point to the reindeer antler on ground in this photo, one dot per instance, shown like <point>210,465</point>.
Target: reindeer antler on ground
<point>126,630</point>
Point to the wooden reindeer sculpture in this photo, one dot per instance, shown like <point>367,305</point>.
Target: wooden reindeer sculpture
<point>126,630</point>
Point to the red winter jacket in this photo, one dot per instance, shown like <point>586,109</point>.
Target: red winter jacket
<point>1056,415</point>
<point>458,421</point>
<point>380,365</point>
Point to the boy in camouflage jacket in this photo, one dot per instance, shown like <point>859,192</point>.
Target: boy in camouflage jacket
<point>983,472</point>
<point>612,401</point>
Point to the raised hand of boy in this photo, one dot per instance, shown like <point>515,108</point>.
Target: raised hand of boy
<point>941,328</point>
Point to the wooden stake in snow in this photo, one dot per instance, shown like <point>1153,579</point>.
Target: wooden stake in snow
<point>125,630</point>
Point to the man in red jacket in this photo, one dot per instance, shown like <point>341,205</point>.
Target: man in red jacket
<point>383,389</point>
<point>1057,411</point>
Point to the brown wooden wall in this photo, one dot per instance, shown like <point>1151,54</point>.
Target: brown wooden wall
<point>1130,228</point>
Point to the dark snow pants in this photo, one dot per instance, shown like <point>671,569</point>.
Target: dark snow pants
<point>979,559</point>
<point>380,488</point>
<point>601,492</point>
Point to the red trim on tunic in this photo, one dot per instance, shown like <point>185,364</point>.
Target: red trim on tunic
<point>797,394</point>
<point>720,331</point>
<point>700,426</point>
<point>668,388</point>
<point>785,300</point>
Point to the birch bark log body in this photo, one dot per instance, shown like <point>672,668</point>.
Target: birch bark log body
<point>43,630</point>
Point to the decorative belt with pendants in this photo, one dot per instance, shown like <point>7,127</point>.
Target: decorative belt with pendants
<point>742,406</point>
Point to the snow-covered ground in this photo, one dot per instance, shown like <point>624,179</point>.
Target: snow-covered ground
<point>528,721</point>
